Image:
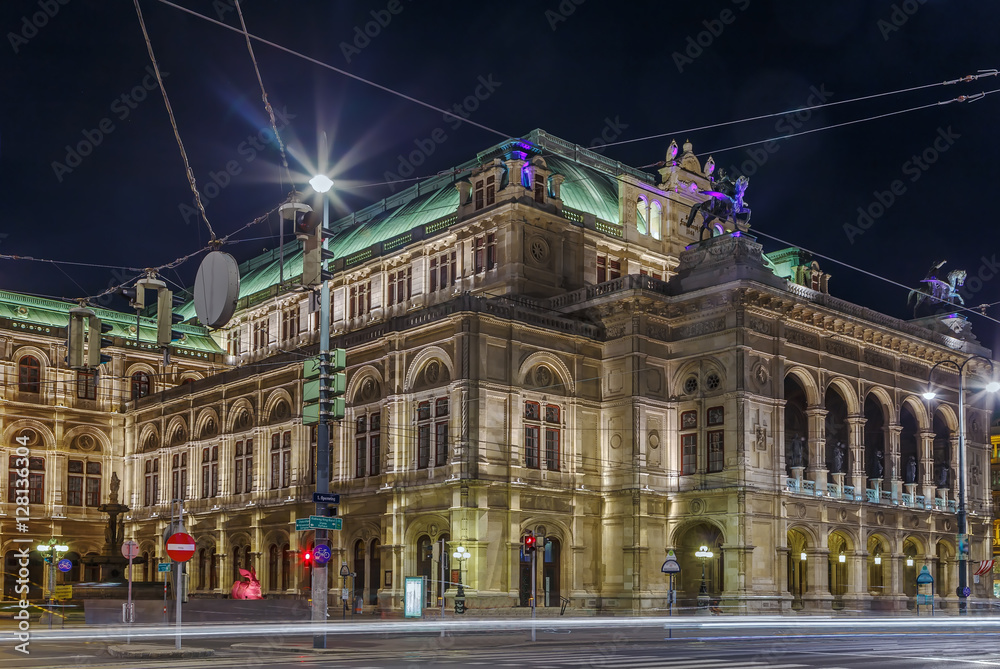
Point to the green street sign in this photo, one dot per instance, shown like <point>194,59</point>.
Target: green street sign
<point>318,523</point>
<point>163,567</point>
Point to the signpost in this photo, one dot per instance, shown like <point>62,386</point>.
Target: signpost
<point>130,549</point>
<point>670,567</point>
<point>180,547</point>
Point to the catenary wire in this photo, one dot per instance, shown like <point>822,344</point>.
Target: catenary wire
<point>338,70</point>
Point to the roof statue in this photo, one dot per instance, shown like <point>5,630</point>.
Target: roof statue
<point>725,201</point>
<point>937,293</point>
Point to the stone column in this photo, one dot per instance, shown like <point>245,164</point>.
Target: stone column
<point>817,470</point>
<point>892,462</point>
<point>857,596</point>
<point>927,464</point>
<point>817,594</point>
<point>856,447</point>
<point>954,443</point>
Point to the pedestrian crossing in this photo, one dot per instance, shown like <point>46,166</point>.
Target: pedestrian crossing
<point>598,660</point>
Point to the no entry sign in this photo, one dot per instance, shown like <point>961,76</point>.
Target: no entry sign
<point>180,547</point>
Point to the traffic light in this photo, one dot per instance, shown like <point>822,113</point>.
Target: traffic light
<point>166,318</point>
<point>75,336</point>
<point>324,387</point>
<point>96,342</point>
<point>307,558</point>
<point>309,228</point>
<point>529,544</point>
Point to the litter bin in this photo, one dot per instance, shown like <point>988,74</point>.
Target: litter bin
<point>359,605</point>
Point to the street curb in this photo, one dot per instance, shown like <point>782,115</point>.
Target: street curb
<point>148,652</point>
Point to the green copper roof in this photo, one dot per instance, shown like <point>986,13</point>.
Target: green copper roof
<point>587,189</point>
<point>40,311</point>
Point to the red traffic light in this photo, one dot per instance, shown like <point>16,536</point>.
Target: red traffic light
<point>307,557</point>
<point>529,543</point>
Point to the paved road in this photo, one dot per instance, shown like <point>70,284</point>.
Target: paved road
<point>645,648</point>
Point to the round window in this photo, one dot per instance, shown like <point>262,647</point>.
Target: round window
<point>691,385</point>
<point>712,381</point>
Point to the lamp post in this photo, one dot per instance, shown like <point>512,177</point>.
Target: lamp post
<point>461,555</point>
<point>344,573</point>
<point>963,538</point>
<point>705,555</point>
<point>320,581</point>
<point>53,552</point>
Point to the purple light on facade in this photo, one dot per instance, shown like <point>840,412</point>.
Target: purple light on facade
<point>737,234</point>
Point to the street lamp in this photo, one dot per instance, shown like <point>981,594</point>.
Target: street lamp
<point>52,553</point>
<point>461,555</point>
<point>705,555</point>
<point>963,576</point>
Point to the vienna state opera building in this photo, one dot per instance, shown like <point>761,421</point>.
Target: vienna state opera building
<point>539,343</point>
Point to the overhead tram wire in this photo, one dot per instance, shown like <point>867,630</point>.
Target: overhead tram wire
<point>173,123</point>
<point>966,79</point>
<point>327,66</point>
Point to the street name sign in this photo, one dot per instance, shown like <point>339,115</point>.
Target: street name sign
<point>326,498</point>
<point>318,523</point>
<point>180,547</point>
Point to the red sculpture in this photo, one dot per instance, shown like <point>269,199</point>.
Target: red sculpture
<point>247,589</point>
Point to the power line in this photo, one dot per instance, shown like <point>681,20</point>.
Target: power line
<point>345,73</point>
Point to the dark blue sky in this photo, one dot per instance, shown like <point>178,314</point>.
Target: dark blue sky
<point>577,69</point>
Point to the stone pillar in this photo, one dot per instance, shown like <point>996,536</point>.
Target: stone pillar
<point>817,594</point>
<point>953,443</point>
<point>857,596</point>
<point>895,590</point>
<point>927,464</point>
<point>816,415</point>
<point>856,447</point>
<point>893,463</point>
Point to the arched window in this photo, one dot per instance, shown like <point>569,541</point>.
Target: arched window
<point>140,385</point>
<point>272,568</point>
<point>203,559</point>
<point>655,220</point>
<point>641,215</point>
<point>286,567</point>
<point>359,569</point>
<point>29,375</point>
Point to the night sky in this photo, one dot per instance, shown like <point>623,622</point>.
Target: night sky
<point>74,79</point>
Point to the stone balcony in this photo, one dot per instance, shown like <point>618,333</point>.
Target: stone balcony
<point>883,497</point>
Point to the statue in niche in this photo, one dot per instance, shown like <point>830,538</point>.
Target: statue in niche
<point>798,447</point>
<point>911,470</point>
<point>839,456</point>
<point>878,466</point>
<point>942,481</point>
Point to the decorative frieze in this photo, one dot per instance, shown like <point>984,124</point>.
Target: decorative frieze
<point>841,349</point>
<point>701,328</point>
<point>801,338</point>
<point>876,359</point>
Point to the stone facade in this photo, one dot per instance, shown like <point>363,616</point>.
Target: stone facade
<point>545,346</point>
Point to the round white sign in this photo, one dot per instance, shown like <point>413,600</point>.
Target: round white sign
<point>216,289</point>
<point>130,549</point>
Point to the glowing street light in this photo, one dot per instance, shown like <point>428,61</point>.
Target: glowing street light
<point>321,183</point>
<point>705,554</point>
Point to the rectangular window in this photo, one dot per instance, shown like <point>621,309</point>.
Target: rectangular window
<point>689,453</point>
<point>178,476</point>
<point>375,443</point>
<point>491,251</point>
<point>715,451</point>
<point>614,270</point>
<point>360,301</point>
<point>74,493</point>
<point>531,446</point>
<point>491,190</point>
<point>360,451</point>
<point>290,324</point>
<point>423,446</point>
<point>602,269</point>
<point>400,284</point>
<point>551,413</point>
<point>275,460</point>
<point>86,385</point>
<point>479,194</point>
<point>434,275</point>
<point>248,467</point>
<point>423,411</point>
<point>689,420</point>
<point>539,188</point>
<point>716,416</point>
<point>444,271</point>
<point>532,411</point>
<point>93,491</point>
<point>152,481</point>
<point>441,444</point>
<point>552,450</point>
<point>479,255</point>
<point>286,459</point>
